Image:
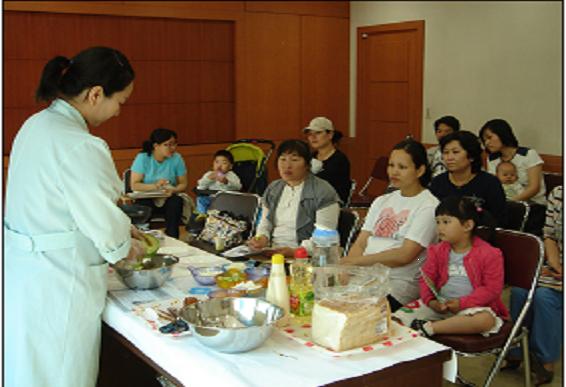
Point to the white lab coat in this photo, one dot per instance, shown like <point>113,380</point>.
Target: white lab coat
<point>62,226</point>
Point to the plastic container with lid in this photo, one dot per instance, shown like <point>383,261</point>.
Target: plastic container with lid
<point>277,290</point>
<point>302,295</point>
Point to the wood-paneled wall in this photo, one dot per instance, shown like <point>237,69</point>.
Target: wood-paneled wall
<point>184,72</point>
<point>289,63</point>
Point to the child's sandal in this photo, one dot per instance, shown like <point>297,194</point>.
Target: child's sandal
<point>418,325</point>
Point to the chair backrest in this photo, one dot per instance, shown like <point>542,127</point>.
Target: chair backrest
<point>350,193</point>
<point>551,180</point>
<point>379,170</point>
<point>523,255</point>
<point>126,177</point>
<point>517,215</point>
<point>239,204</point>
<point>347,227</point>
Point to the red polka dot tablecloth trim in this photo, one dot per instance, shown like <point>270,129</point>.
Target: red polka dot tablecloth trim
<point>301,333</point>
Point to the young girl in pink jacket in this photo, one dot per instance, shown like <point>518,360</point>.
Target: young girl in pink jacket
<point>462,277</point>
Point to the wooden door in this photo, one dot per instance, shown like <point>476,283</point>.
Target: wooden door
<point>390,82</point>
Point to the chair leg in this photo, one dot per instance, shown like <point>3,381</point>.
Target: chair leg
<point>461,381</point>
<point>526,357</point>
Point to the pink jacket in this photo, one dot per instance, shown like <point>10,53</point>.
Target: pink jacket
<point>484,266</point>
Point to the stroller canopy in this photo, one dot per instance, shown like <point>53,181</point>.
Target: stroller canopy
<point>250,164</point>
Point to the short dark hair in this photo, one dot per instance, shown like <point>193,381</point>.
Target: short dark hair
<point>226,154</point>
<point>95,66</point>
<point>471,145</point>
<point>450,121</point>
<point>158,136</point>
<point>502,129</point>
<point>418,154</point>
<point>299,147</point>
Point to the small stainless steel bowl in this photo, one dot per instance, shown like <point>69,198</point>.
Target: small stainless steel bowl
<point>232,325</point>
<point>151,278</point>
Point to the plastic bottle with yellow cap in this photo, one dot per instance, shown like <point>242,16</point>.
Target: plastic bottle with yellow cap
<point>277,289</point>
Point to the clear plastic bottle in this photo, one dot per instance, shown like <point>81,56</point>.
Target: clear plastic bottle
<point>326,251</point>
<point>277,289</point>
<point>326,247</point>
<point>302,294</point>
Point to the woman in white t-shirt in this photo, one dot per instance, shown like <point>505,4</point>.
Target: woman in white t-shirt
<point>502,145</point>
<point>400,225</point>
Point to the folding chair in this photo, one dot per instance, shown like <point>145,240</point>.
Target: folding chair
<point>517,215</point>
<point>158,220</point>
<point>238,204</point>
<point>350,193</point>
<point>523,256</point>
<point>348,223</point>
<point>379,172</point>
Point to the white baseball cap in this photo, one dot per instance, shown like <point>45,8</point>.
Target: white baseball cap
<point>319,124</point>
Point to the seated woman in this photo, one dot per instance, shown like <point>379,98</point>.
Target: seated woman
<point>545,317</point>
<point>293,204</point>
<point>159,167</point>
<point>399,225</point>
<point>442,127</point>
<point>502,145</point>
<point>462,152</point>
<point>329,163</point>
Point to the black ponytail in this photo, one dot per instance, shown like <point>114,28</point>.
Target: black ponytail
<point>53,71</point>
<point>95,66</point>
<point>336,136</point>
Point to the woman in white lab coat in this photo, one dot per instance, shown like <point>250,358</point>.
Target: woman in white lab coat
<point>62,225</point>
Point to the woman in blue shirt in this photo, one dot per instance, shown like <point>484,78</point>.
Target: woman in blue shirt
<point>159,167</point>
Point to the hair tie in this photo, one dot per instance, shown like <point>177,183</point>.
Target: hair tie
<point>479,209</point>
<point>117,58</point>
<point>66,68</point>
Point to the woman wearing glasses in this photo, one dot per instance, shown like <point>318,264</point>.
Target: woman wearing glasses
<point>159,167</point>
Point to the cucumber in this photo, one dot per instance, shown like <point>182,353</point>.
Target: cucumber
<point>150,244</point>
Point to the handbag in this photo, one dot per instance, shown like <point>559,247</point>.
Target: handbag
<point>222,224</point>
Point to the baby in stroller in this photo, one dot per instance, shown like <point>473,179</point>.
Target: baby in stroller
<point>220,178</point>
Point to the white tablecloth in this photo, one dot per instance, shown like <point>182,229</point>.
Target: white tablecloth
<point>280,361</point>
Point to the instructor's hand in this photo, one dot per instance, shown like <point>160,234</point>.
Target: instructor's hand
<point>137,251</point>
<point>136,233</point>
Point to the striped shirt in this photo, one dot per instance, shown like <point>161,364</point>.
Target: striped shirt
<point>553,224</point>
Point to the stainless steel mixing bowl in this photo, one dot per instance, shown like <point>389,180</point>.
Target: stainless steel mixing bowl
<point>150,278</point>
<point>232,325</point>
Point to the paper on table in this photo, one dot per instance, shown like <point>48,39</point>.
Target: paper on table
<point>126,298</point>
<point>147,194</point>
<point>178,251</point>
<point>241,251</point>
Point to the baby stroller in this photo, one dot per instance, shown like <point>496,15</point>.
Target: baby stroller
<point>250,163</point>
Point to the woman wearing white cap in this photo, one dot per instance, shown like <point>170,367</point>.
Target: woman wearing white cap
<point>328,162</point>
